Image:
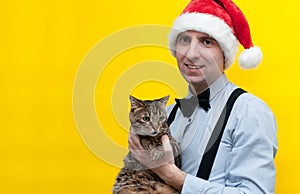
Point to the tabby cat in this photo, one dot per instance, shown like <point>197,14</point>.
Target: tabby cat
<point>148,120</point>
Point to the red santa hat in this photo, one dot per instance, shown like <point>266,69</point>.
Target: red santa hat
<point>225,22</point>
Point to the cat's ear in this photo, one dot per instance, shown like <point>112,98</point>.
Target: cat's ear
<point>164,100</point>
<point>135,103</point>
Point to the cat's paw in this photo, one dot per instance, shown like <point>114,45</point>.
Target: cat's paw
<point>156,153</point>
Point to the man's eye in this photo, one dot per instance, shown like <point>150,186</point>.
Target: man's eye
<point>184,40</point>
<point>207,41</point>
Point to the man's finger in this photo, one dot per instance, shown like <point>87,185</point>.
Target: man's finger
<point>134,142</point>
<point>166,143</point>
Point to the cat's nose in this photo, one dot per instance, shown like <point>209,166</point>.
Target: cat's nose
<point>154,132</point>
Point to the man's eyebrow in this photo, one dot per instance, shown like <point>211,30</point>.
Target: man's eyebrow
<point>184,34</point>
<point>207,37</point>
<point>201,38</point>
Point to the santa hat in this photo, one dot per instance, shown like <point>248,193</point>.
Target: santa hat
<point>225,22</point>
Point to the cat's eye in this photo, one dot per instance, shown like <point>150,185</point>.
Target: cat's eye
<point>146,118</point>
<point>161,118</point>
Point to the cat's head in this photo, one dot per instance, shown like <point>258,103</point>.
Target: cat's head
<point>148,117</point>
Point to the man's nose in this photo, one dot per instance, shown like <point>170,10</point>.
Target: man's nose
<point>194,50</point>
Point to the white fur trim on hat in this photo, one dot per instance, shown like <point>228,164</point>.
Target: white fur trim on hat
<point>250,58</point>
<point>211,25</point>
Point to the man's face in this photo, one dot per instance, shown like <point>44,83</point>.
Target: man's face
<point>199,58</point>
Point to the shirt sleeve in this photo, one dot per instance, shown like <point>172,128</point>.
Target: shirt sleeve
<point>250,167</point>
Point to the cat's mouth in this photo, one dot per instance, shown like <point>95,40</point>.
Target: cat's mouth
<point>151,134</point>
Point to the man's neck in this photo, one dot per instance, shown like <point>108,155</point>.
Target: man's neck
<point>197,89</point>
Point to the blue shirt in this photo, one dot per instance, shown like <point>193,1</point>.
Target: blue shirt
<point>245,159</point>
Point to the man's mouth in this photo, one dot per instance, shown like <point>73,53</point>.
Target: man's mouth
<point>194,66</point>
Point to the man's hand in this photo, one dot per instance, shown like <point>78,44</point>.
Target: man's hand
<point>146,156</point>
<point>165,167</point>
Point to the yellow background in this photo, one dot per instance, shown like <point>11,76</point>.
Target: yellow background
<point>42,46</point>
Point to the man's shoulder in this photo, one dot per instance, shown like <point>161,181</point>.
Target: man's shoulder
<point>248,102</point>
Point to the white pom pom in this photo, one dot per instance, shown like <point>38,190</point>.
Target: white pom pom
<point>250,58</point>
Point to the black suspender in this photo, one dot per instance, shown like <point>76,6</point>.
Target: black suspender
<point>172,114</point>
<point>216,136</point>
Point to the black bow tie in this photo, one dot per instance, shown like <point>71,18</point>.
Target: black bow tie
<point>187,106</point>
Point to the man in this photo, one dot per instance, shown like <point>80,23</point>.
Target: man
<point>204,40</point>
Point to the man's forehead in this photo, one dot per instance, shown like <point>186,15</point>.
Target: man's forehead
<point>194,33</point>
